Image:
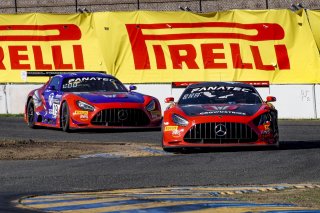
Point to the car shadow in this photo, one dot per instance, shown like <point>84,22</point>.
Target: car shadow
<point>122,130</point>
<point>310,144</point>
<point>88,131</point>
<point>283,145</point>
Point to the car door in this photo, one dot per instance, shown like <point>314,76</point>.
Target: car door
<point>52,96</point>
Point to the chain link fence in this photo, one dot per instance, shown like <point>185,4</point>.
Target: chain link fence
<point>204,6</point>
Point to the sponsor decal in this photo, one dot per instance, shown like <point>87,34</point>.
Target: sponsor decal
<point>209,94</point>
<point>36,99</point>
<point>223,112</point>
<point>31,57</point>
<point>110,96</point>
<point>50,99</point>
<point>191,96</point>
<point>253,83</point>
<point>170,128</point>
<point>80,112</point>
<point>267,126</point>
<point>83,117</point>
<point>55,104</point>
<point>187,52</point>
<point>176,133</point>
<point>116,95</point>
<point>83,114</point>
<point>121,95</point>
<point>54,110</point>
<point>221,88</point>
<point>228,107</point>
<point>73,82</point>
<point>181,84</point>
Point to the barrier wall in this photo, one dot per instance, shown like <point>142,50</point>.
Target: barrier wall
<point>293,101</point>
<point>16,96</point>
<point>317,95</point>
<point>3,102</point>
<point>161,91</point>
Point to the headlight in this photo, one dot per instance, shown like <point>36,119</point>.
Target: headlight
<point>179,120</point>
<point>151,106</point>
<point>264,121</point>
<point>264,118</point>
<point>85,106</point>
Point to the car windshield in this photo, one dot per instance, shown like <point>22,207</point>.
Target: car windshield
<point>220,95</point>
<point>92,84</point>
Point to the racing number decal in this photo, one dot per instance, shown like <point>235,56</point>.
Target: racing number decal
<point>55,108</point>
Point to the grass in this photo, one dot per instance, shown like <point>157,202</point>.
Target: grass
<point>309,198</point>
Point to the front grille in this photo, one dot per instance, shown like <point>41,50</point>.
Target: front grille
<point>121,117</point>
<point>220,133</point>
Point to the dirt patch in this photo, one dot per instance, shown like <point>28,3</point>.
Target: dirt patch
<point>36,150</point>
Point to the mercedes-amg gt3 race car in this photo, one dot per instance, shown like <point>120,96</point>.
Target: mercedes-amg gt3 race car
<point>90,100</point>
<point>219,114</point>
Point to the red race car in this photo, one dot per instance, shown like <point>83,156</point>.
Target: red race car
<point>219,114</point>
<point>90,100</point>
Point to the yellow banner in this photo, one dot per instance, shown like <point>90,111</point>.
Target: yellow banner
<point>47,42</point>
<point>278,46</point>
<point>314,19</point>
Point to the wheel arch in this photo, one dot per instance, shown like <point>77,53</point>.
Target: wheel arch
<point>60,111</point>
<point>28,100</point>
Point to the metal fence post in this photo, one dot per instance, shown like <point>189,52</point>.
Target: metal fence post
<point>6,98</point>
<point>200,6</point>
<point>16,6</point>
<point>267,4</point>
<point>138,4</point>
<point>76,4</point>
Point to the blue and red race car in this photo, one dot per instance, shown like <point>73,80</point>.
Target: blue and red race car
<point>219,114</point>
<point>90,100</point>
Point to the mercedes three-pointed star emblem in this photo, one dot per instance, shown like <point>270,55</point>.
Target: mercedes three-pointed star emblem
<point>220,130</point>
<point>122,115</point>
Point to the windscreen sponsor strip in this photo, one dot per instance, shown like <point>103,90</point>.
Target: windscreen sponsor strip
<point>221,88</point>
<point>253,83</point>
<point>53,73</point>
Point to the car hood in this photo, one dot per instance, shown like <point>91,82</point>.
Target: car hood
<point>220,109</point>
<point>107,97</point>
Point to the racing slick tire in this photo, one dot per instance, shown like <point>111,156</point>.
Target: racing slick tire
<point>30,114</point>
<point>65,117</point>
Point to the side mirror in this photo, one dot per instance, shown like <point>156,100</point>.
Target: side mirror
<point>271,99</point>
<point>169,100</point>
<point>51,87</point>
<point>132,87</point>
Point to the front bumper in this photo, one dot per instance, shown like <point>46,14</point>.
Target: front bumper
<point>116,117</point>
<point>217,134</point>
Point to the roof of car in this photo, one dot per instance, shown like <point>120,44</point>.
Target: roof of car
<point>84,74</point>
<point>228,84</point>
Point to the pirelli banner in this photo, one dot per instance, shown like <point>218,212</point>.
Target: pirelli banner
<point>278,46</point>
